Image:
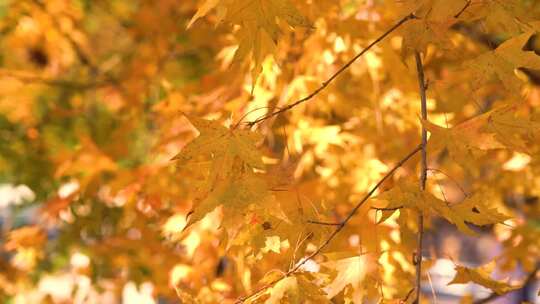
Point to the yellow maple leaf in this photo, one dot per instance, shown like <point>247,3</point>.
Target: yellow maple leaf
<point>236,193</point>
<point>499,128</point>
<point>350,271</point>
<point>287,287</point>
<point>259,25</point>
<point>435,17</point>
<point>203,10</point>
<point>217,142</point>
<point>501,63</point>
<point>464,141</point>
<point>476,210</point>
<point>230,156</point>
<point>510,129</point>
<point>407,194</point>
<point>404,195</point>
<point>481,275</point>
<point>297,288</point>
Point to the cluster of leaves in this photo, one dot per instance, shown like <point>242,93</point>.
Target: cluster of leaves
<point>253,150</point>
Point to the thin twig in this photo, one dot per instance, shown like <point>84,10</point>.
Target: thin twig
<point>298,244</point>
<point>423,174</point>
<point>407,296</point>
<point>494,296</point>
<point>338,228</point>
<point>387,209</point>
<point>323,223</point>
<point>450,178</point>
<point>463,9</point>
<point>336,74</point>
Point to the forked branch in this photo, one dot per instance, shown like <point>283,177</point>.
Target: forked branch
<point>335,75</point>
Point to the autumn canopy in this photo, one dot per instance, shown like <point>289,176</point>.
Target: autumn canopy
<point>269,151</point>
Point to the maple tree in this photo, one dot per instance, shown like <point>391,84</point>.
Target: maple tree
<point>266,151</point>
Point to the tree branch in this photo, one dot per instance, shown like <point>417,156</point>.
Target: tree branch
<point>338,228</point>
<point>407,296</point>
<point>76,85</point>
<point>336,74</point>
<point>463,9</point>
<point>323,223</point>
<point>423,173</point>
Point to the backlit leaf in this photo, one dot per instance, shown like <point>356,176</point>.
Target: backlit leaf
<point>481,276</point>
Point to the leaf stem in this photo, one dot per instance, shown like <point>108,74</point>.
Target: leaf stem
<point>335,75</point>
<point>423,173</point>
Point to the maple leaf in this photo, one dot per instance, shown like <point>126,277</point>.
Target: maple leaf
<point>464,141</point>
<point>231,181</point>
<point>259,25</point>
<point>203,10</point>
<point>502,62</point>
<point>475,210</point>
<point>497,129</point>
<point>481,275</point>
<point>435,18</point>
<point>350,271</point>
<point>297,288</point>
<point>408,195</point>
<point>216,142</point>
<point>236,193</point>
<point>523,245</point>
<point>508,16</point>
<point>285,290</point>
<point>511,130</point>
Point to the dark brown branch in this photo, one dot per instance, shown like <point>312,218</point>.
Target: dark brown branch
<point>494,296</point>
<point>323,223</point>
<point>407,296</point>
<point>463,9</point>
<point>336,74</point>
<point>423,173</point>
<point>338,228</point>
